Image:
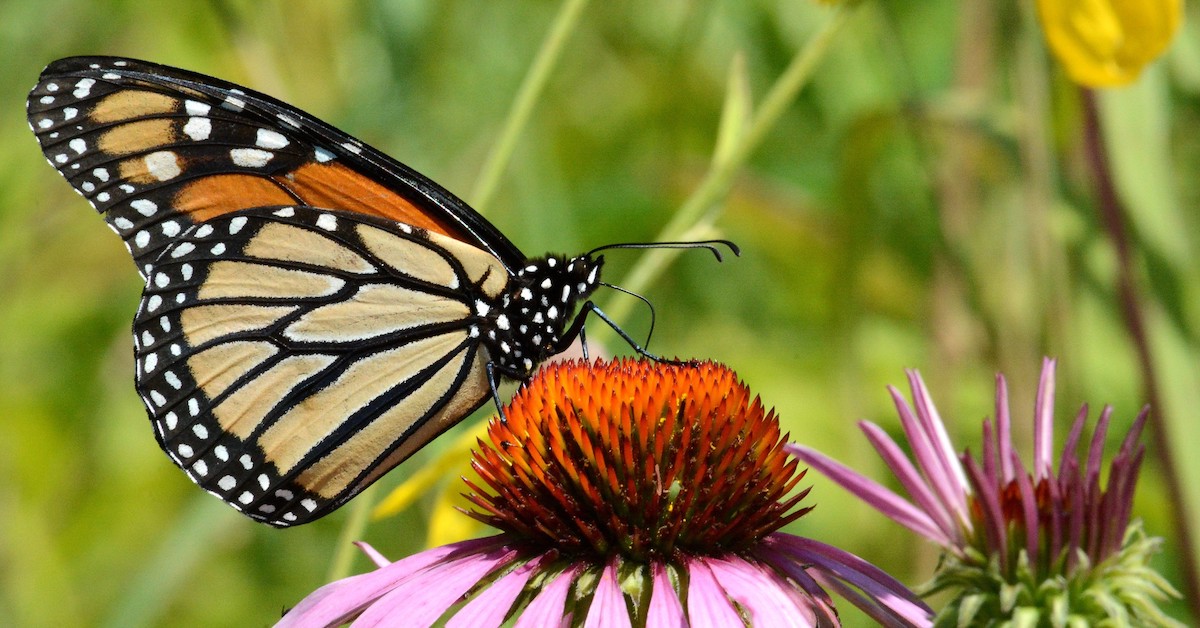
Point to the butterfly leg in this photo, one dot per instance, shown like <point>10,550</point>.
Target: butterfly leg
<point>494,373</point>
<point>576,329</point>
<point>493,376</point>
<point>583,343</point>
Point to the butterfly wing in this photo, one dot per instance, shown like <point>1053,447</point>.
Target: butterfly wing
<point>157,149</point>
<point>288,355</point>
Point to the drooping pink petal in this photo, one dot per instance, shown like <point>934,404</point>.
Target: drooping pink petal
<point>608,609</point>
<point>416,603</point>
<point>822,603</point>
<point>941,509</point>
<point>761,593</point>
<point>1043,423</point>
<point>665,610</point>
<point>708,604</point>
<point>336,602</point>
<point>492,605</point>
<point>897,605</point>
<point>548,608</point>
<point>875,494</point>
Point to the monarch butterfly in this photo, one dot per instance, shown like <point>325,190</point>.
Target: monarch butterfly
<point>314,312</point>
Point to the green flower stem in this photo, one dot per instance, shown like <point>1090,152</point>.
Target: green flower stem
<point>697,215</point>
<point>526,98</point>
<point>345,550</point>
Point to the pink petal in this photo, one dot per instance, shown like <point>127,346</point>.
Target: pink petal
<point>491,606</point>
<point>665,611</point>
<point>426,596</point>
<point>336,602</point>
<point>1043,423</point>
<point>548,608</point>
<point>1004,430</point>
<point>608,609</point>
<point>759,590</point>
<point>941,508</point>
<point>938,464</point>
<point>379,559</point>
<point>936,430</point>
<point>899,605</point>
<point>708,606</point>
<point>875,494</point>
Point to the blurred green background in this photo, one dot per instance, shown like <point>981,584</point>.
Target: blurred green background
<point>924,203</point>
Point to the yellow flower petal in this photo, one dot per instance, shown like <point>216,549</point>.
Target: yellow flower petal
<point>1106,43</point>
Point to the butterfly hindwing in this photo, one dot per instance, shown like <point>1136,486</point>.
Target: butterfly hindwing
<point>290,356</point>
<point>158,149</point>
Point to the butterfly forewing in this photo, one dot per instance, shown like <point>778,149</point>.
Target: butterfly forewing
<point>158,149</point>
<point>291,355</point>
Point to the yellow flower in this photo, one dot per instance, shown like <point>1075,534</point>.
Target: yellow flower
<point>1106,43</point>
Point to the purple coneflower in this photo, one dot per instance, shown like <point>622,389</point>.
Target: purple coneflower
<point>629,493</point>
<point>1038,547</point>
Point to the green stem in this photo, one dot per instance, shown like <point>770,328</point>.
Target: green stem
<point>344,550</point>
<point>697,215</point>
<point>526,98</point>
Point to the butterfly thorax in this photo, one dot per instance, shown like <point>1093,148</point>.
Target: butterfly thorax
<point>537,308</point>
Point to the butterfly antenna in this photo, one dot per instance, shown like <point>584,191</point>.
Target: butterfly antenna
<point>641,298</point>
<point>711,245</point>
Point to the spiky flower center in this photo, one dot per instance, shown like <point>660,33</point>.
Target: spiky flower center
<point>637,459</point>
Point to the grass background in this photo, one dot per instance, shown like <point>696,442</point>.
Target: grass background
<point>924,203</point>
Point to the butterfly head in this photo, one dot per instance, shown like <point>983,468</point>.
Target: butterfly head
<point>538,308</point>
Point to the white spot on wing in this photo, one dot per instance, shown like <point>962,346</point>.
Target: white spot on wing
<point>83,87</point>
<point>270,139</point>
<point>145,207</point>
<point>163,165</point>
<point>250,157</point>
<point>198,128</point>
<point>194,108</point>
<point>327,222</point>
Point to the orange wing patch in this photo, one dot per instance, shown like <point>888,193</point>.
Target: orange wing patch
<point>335,186</point>
<point>220,194</point>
